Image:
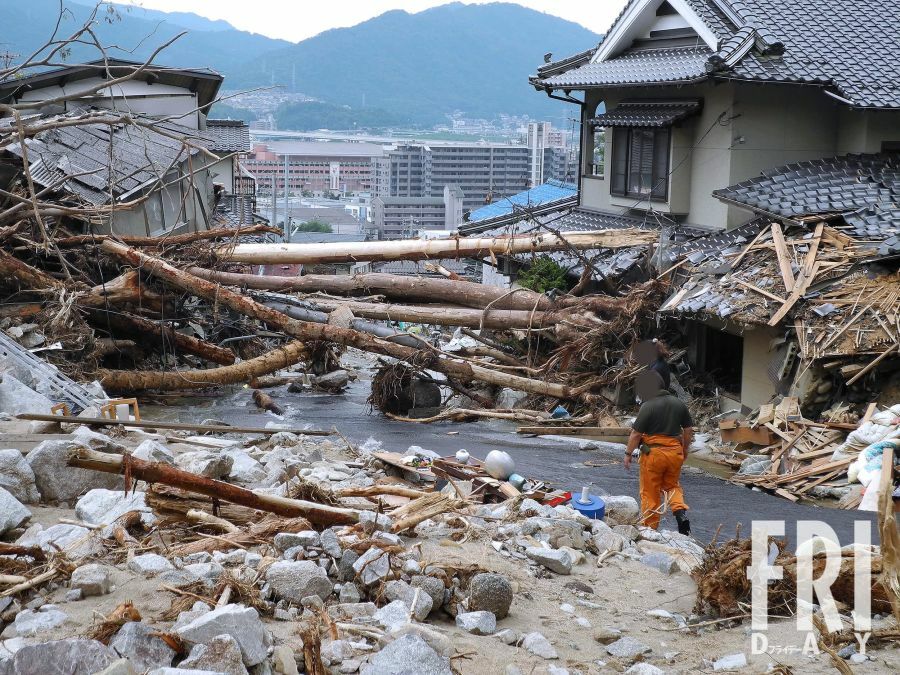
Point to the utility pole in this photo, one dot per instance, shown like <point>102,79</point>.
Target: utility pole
<point>287,210</point>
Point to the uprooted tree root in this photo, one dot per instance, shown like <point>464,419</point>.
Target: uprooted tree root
<point>391,388</point>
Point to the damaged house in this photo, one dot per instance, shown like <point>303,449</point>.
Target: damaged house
<point>148,163</point>
<point>762,139</point>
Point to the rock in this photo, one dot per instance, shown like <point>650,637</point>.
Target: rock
<point>345,569</point>
<point>335,651</point>
<point>408,655</point>
<point>31,622</point>
<point>609,541</point>
<point>241,623</point>
<point>136,642</point>
<point>400,590</point>
<point>645,669</point>
<point>285,540</point>
<point>372,566</point>
<point>730,662</point>
<point>538,645</point>
<point>293,581</point>
<point>333,381</point>
<point>153,451</point>
<point>477,623</point>
<point>245,469</point>
<point>555,670</point>
<point>554,560</point>
<point>149,564</point>
<point>74,656</point>
<point>75,540</point>
<point>629,532</point>
<point>490,592</point>
<point>103,507</point>
<point>621,510</point>
<point>12,512</point>
<point>371,522</point>
<point>507,636</point>
<point>221,654</point>
<point>91,579</point>
<point>349,593</point>
<point>660,561</point>
<point>120,667</point>
<point>328,539</point>
<point>181,671</point>
<point>58,482</point>
<point>352,610</point>
<point>207,463</point>
<point>180,579</point>
<point>16,397</point>
<point>207,570</point>
<point>73,595</point>
<point>434,587</point>
<point>96,441</point>
<point>17,478</point>
<point>283,660</point>
<point>627,648</point>
<point>509,398</point>
<point>393,614</point>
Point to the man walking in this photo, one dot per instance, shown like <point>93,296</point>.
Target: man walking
<point>663,430</point>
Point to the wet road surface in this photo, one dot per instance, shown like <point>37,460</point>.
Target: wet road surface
<point>714,502</point>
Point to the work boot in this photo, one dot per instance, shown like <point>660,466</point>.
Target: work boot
<point>684,525</point>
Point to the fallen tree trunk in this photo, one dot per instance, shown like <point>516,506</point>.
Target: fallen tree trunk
<point>425,249</point>
<point>266,402</point>
<point>150,333</point>
<point>166,474</point>
<point>424,358</point>
<point>166,240</point>
<point>392,286</point>
<point>279,358</point>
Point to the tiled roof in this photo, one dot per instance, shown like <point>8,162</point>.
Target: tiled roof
<point>90,159</point>
<point>864,189</point>
<point>228,135</point>
<point>647,113</point>
<point>851,45</point>
<point>656,66</point>
<point>550,191</point>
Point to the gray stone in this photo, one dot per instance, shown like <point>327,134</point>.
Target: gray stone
<point>335,651</point>
<point>74,656</point>
<point>371,522</point>
<point>119,667</point>
<point>393,614</point>
<point>181,671</point>
<point>554,560</point>
<point>434,587</point>
<point>59,482</point>
<point>330,544</point>
<point>400,590</point>
<point>408,655</point>
<point>349,593</point>
<point>91,579</point>
<point>153,451</point>
<point>285,540</point>
<point>76,541</point>
<point>245,469</point>
<point>17,397</point>
<point>235,557</point>
<point>538,645</point>
<point>609,541</point>
<point>345,566</point>
<point>333,381</point>
<point>283,660</point>
<point>660,561</point>
<point>184,618</point>
<point>221,654</point>
<point>372,566</point>
<point>293,581</point>
<point>103,507</point>
<point>73,595</point>
<point>490,592</point>
<point>477,623</point>
<point>507,636</point>
<point>439,642</point>
<point>645,669</point>
<point>17,477</point>
<point>207,463</point>
<point>241,623</point>
<point>136,642</point>
<point>12,512</point>
<point>96,441</point>
<point>352,610</point>
<point>31,622</point>
<point>149,564</point>
<point>621,510</point>
<point>180,579</point>
<point>627,648</point>
<point>206,570</point>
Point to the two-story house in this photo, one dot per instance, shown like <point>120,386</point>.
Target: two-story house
<point>713,119</point>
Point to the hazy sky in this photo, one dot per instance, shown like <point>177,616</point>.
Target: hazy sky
<point>298,19</point>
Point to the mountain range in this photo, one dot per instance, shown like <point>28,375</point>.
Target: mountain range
<point>410,68</point>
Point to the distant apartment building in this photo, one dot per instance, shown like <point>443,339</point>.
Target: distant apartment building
<point>548,154</point>
<point>315,166</point>
<point>402,217</point>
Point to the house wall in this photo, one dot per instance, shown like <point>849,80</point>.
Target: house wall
<point>866,130</point>
<point>756,385</point>
<point>222,172</point>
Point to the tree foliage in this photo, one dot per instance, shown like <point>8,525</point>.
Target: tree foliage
<point>313,225</point>
<point>542,275</point>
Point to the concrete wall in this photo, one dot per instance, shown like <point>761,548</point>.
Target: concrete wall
<point>866,130</point>
<point>223,172</point>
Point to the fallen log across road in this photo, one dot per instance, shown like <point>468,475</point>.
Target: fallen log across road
<point>166,474</point>
<point>431,249</point>
<point>423,358</point>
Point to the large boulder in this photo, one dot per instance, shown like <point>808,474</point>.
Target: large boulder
<point>207,463</point>
<point>59,482</point>
<point>153,451</point>
<point>103,507</point>
<point>17,398</point>
<point>400,590</point>
<point>74,540</point>
<point>408,655</point>
<point>222,654</point>
<point>17,477</point>
<point>295,580</point>
<point>91,579</point>
<point>621,510</point>
<point>241,623</point>
<point>12,513</point>
<point>96,441</point>
<point>30,622</point>
<point>74,656</point>
<point>141,645</point>
<point>491,593</point>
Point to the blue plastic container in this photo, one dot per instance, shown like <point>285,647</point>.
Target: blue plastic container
<point>595,508</point>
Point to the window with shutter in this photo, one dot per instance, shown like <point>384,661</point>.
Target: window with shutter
<point>640,162</point>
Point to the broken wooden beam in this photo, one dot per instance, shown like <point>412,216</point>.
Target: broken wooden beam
<point>175,426</point>
<point>425,249</point>
<point>166,240</point>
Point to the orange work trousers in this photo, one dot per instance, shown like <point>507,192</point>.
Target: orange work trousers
<point>660,471</point>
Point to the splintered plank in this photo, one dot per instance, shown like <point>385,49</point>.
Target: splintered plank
<point>784,258</point>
